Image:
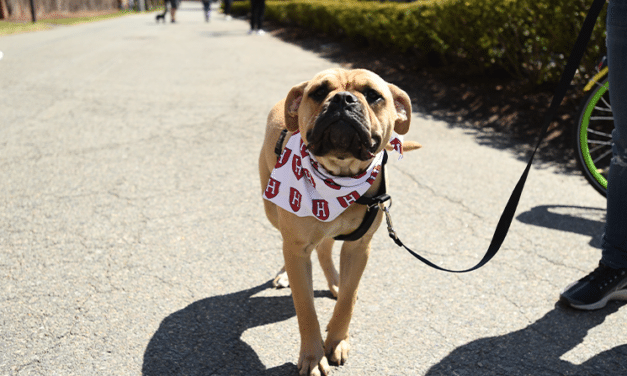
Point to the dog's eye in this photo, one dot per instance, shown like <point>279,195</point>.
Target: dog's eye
<point>372,96</point>
<point>320,93</point>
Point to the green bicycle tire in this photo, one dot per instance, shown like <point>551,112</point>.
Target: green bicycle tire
<point>585,160</point>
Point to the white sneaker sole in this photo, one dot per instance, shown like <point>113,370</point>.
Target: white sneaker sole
<point>616,295</point>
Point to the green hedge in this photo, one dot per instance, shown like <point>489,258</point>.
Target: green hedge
<point>530,39</point>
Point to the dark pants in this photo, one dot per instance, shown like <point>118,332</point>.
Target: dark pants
<point>227,6</point>
<point>206,5</point>
<point>614,243</point>
<point>258,8</point>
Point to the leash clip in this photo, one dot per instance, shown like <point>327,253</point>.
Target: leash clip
<point>388,220</point>
<point>378,201</point>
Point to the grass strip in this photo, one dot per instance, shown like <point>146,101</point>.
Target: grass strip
<point>8,27</point>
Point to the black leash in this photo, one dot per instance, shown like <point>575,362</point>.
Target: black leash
<point>510,209</point>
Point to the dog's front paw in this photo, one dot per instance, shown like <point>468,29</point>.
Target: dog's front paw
<point>281,280</point>
<point>312,365</point>
<point>338,352</point>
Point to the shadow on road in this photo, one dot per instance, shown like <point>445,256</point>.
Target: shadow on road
<point>204,338</point>
<point>536,349</point>
<point>576,219</point>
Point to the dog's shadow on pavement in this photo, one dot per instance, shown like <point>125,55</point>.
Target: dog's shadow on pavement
<point>538,348</point>
<point>204,338</point>
<point>576,219</point>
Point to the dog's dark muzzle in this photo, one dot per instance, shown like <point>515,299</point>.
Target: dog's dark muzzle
<point>342,127</point>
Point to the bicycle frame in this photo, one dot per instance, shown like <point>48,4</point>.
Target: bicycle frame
<point>597,77</point>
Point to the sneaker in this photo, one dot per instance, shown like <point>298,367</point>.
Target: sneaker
<point>596,289</point>
<point>260,32</point>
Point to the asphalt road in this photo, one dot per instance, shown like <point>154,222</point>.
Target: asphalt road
<point>133,239</point>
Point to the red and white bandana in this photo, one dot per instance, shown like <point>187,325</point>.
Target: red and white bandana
<point>300,185</point>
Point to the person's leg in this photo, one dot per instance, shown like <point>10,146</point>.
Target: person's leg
<point>615,237</point>
<point>227,7</point>
<point>254,10</point>
<point>609,280</point>
<point>262,11</point>
<point>206,5</point>
<point>173,5</point>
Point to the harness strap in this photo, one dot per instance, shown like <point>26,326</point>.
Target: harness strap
<point>278,148</point>
<point>373,204</point>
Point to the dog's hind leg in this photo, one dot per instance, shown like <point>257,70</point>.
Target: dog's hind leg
<point>324,250</point>
<point>281,280</point>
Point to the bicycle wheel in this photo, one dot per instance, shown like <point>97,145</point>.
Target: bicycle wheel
<point>594,136</point>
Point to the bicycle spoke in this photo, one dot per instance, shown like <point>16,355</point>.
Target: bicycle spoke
<point>604,109</point>
<point>599,133</point>
<point>607,104</point>
<point>602,143</point>
<point>602,156</point>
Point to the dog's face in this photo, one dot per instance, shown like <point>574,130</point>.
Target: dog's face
<point>346,117</point>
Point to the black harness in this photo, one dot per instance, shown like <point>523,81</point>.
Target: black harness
<point>372,203</point>
<point>373,207</point>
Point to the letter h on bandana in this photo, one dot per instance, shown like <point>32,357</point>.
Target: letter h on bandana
<point>347,200</point>
<point>295,198</point>
<point>272,189</point>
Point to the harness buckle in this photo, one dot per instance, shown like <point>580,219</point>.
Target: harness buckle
<point>379,200</point>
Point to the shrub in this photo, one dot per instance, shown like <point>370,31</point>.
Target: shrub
<point>527,38</point>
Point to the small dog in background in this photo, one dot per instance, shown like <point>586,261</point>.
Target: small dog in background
<point>161,17</point>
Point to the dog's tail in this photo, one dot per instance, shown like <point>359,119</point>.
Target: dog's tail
<point>407,146</point>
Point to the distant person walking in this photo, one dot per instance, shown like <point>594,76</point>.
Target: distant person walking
<point>173,5</point>
<point>227,9</point>
<point>258,8</point>
<point>206,5</point>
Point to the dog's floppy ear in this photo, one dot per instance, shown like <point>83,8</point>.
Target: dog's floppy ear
<point>292,103</point>
<point>402,103</point>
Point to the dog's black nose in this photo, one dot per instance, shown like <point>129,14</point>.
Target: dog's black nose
<point>344,99</point>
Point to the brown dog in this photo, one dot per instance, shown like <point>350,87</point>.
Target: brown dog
<point>344,118</point>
